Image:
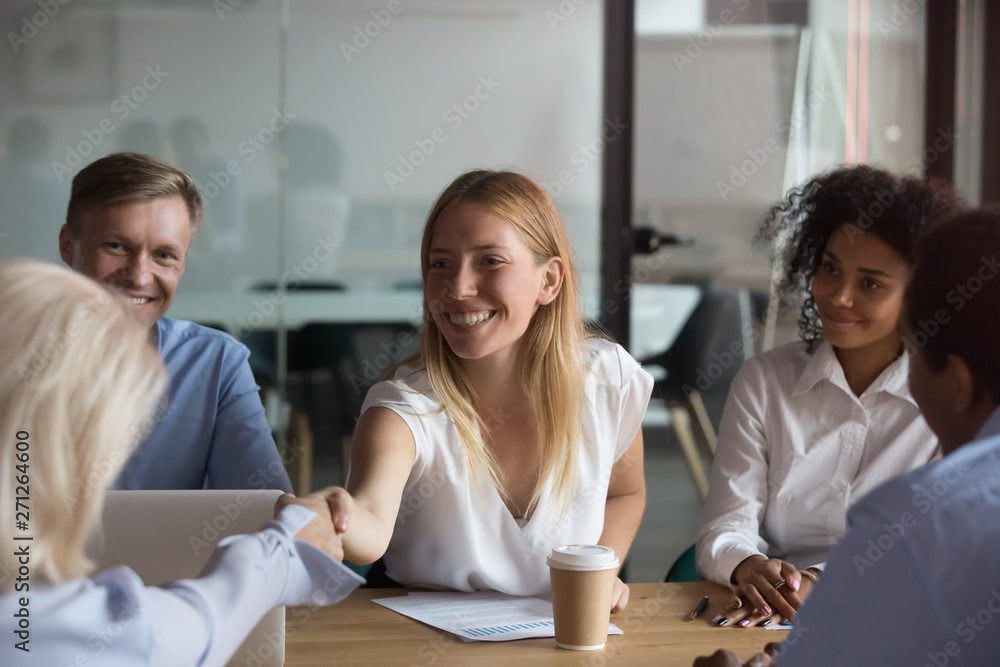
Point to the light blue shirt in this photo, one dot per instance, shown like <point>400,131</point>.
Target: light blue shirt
<point>113,620</point>
<point>917,579</point>
<point>214,428</point>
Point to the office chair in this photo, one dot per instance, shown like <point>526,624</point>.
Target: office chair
<point>702,362</point>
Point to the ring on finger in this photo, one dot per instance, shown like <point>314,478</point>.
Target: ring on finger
<point>779,584</point>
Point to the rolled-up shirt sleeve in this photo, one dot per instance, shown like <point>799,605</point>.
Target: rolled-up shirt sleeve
<point>203,621</point>
<point>737,493</point>
<point>243,453</point>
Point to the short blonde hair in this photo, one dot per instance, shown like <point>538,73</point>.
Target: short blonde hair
<point>77,375</point>
<point>125,178</point>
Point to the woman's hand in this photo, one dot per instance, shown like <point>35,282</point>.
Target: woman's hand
<point>768,590</point>
<point>333,507</point>
<point>619,595</point>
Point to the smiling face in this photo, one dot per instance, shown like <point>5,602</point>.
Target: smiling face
<point>484,283</point>
<point>137,248</point>
<point>859,289</point>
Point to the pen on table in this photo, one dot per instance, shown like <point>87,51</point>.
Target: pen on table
<point>696,612</point>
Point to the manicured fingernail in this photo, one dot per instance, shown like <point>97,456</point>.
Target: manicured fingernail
<point>723,621</point>
<point>766,610</point>
<point>795,585</point>
<point>745,622</point>
<point>737,604</point>
<point>767,621</point>
<point>718,618</point>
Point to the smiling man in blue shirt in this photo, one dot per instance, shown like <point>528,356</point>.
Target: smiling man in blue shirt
<point>129,225</point>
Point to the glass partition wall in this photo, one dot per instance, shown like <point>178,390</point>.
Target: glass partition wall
<point>319,135</point>
<point>737,101</point>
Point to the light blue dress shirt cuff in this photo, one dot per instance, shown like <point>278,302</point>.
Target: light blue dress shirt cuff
<point>250,574</point>
<point>313,577</point>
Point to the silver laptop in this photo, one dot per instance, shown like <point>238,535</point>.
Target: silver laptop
<point>169,535</point>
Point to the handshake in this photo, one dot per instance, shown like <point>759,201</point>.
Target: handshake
<point>332,506</point>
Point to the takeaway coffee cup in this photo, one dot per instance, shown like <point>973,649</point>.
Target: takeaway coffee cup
<point>583,578</point>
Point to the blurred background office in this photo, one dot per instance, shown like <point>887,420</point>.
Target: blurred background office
<point>319,133</point>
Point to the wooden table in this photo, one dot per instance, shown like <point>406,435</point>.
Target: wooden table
<point>359,632</point>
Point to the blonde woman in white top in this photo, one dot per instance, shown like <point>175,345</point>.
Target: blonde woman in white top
<point>811,427</point>
<point>511,431</point>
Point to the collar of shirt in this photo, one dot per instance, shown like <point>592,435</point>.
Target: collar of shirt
<point>991,427</point>
<point>824,365</point>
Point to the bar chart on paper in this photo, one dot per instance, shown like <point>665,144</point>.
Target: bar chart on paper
<point>481,616</point>
<point>499,630</point>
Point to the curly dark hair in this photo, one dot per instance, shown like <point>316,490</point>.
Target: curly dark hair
<point>897,209</point>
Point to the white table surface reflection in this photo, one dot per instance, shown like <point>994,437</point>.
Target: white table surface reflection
<point>658,312</point>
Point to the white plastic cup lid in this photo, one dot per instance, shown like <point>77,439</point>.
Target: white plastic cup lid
<point>583,557</point>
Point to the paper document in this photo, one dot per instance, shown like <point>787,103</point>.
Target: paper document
<point>482,616</point>
<point>784,625</point>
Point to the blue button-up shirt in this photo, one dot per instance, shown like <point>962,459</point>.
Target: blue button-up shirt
<point>213,431</point>
<point>917,579</point>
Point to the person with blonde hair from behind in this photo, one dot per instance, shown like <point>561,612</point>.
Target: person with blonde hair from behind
<point>512,431</point>
<point>69,425</point>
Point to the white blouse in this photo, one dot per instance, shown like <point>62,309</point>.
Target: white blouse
<point>452,534</point>
<point>796,449</point>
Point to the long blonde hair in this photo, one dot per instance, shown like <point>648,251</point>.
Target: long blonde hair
<point>552,373</point>
<point>77,374</point>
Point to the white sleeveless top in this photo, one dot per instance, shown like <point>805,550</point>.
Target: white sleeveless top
<point>451,535</point>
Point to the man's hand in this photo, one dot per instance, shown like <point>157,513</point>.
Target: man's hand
<point>333,513</point>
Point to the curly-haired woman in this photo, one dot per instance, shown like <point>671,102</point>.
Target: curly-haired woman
<point>811,427</point>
